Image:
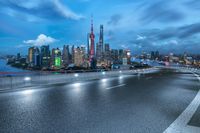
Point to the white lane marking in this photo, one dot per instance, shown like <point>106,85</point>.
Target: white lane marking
<point>180,124</point>
<point>116,86</point>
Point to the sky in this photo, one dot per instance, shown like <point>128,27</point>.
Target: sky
<point>138,25</point>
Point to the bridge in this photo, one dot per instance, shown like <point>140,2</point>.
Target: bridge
<point>154,100</point>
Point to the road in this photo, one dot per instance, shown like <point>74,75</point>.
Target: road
<point>127,104</point>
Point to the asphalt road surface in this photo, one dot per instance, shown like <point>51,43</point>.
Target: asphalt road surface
<point>127,104</point>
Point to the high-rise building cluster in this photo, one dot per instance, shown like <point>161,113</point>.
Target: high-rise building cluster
<point>92,56</point>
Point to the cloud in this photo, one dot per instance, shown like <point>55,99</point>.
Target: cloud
<point>171,39</point>
<point>189,30</point>
<point>180,32</point>
<point>46,9</point>
<point>140,37</point>
<point>41,40</point>
<point>115,19</point>
<point>161,12</point>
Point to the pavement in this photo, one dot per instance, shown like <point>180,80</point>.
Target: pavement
<point>144,103</point>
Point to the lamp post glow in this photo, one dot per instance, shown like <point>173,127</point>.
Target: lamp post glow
<point>27,78</point>
<point>76,75</point>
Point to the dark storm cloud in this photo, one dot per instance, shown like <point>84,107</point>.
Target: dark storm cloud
<point>172,32</point>
<point>45,9</point>
<point>181,32</point>
<point>184,38</point>
<point>161,12</point>
<point>115,19</point>
<point>189,30</point>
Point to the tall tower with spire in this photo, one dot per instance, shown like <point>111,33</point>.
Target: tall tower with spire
<point>92,36</point>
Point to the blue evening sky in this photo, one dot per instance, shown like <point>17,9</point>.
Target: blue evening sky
<point>139,25</point>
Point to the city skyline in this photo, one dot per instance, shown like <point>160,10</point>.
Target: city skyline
<point>90,57</point>
<point>135,25</point>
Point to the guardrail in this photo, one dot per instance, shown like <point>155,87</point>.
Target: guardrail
<point>194,70</point>
<point>184,69</point>
<point>9,82</point>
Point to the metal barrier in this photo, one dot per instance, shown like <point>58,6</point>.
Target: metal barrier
<point>11,82</point>
<point>184,69</point>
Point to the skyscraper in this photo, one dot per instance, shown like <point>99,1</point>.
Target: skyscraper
<point>121,55</point>
<point>92,36</point>
<point>114,54</point>
<point>34,57</point>
<point>45,56</point>
<point>98,51</point>
<point>56,58</point>
<point>37,61</point>
<point>107,51</point>
<point>65,55</point>
<point>88,44</point>
<point>30,55</point>
<point>72,52</point>
<point>101,41</point>
<point>99,46</point>
<point>78,57</point>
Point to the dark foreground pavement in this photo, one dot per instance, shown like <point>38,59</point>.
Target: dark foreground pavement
<point>132,103</point>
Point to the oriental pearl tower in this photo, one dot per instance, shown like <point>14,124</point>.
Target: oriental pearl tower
<point>92,36</point>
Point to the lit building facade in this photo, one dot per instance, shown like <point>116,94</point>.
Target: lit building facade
<point>78,57</point>
<point>92,45</point>
<point>45,56</point>
<point>56,59</point>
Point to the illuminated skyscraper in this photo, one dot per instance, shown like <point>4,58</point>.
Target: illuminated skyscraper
<point>45,56</point>
<point>34,57</point>
<point>30,55</point>
<point>78,56</point>
<point>92,36</point>
<point>88,44</point>
<point>56,58</point>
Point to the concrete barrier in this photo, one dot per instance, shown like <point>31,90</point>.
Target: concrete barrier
<point>9,83</point>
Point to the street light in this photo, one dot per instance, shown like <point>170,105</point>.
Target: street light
<point>104,80</point>
<point>76,75</point>
<point>27,78</point>
<point>103,73</point>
